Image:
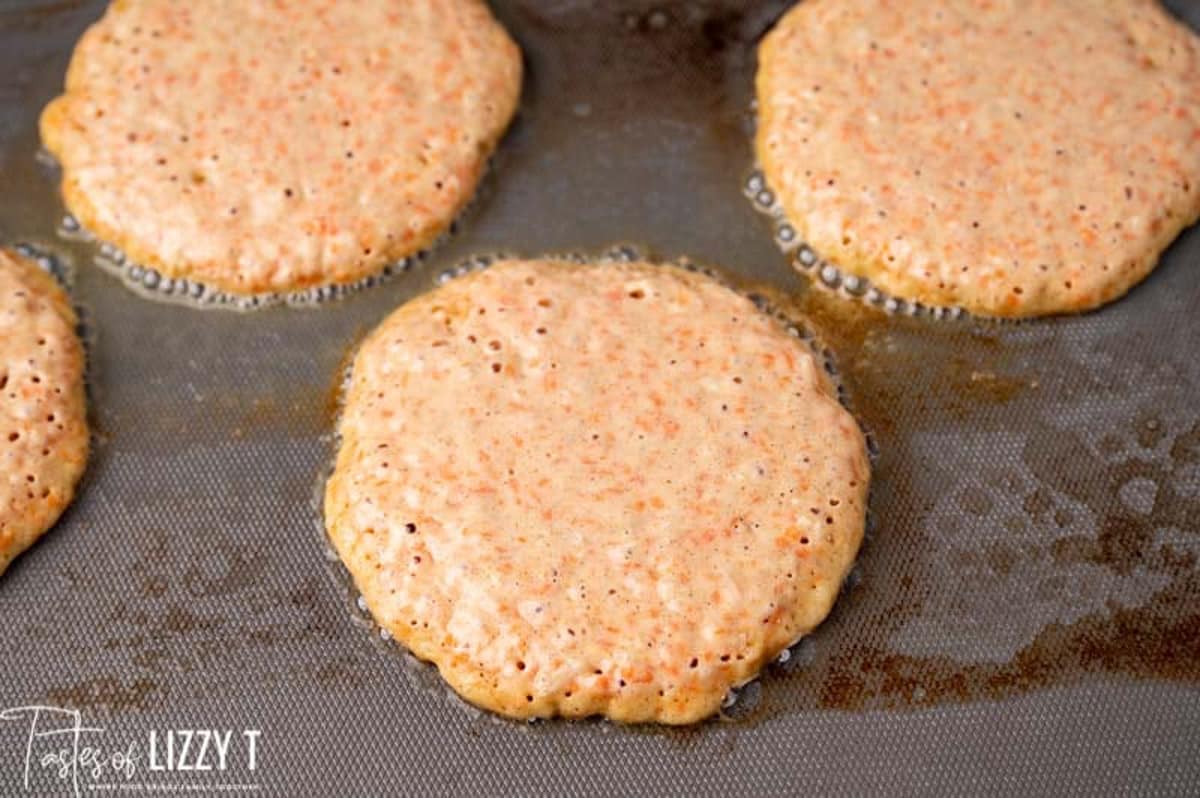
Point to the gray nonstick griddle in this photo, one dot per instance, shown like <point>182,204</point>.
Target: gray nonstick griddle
<point>1025,616</point>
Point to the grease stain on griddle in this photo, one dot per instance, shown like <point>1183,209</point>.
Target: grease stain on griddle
<point>883,355</point>
<point>203,609</point>
<point>964,368</point>
<point>1158,639</point>
<point>107,693</point>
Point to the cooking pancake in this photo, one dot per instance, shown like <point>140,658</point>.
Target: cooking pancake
<point>1015,158</point>
<point>267,147</point>
<point>612,489</point>
<point>43,423</point>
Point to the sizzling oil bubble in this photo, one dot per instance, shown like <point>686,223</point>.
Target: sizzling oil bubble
<point>785,236</point>
<point>152,284</point>
<point>69,228</point>
<point>798,657</point>
<point>46,261</point>
<point>462,269</point>
<point>47,162</point>
<point>805,259</point>
<point>742,702</point>
<point>624,253</point>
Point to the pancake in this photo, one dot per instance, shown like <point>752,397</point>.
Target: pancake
<point>43,417</point>
<point>614,489</point>
<point>1015,158</point>
<point>262,147</point>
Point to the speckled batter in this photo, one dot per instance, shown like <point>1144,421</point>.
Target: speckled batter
<point>43,419</point>
<point>1014,157</point>
<point>262,147</point>
<point>603,489</point>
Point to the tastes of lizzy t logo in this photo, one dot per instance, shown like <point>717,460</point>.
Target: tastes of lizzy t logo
<point>58,748</point>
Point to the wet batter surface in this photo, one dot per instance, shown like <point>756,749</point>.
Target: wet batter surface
<point>261,147</point>
<point>1018,158</point>
<point>612,489</point>
<point>43,424</point>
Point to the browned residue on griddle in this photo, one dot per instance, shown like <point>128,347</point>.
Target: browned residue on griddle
<point>852,666</point>
<point>107,693</point>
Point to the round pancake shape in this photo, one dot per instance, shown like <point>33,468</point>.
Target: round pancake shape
<point>605,489</point>
<point>1016,158</point>
<point>262,148</point>
<point>43,416</point>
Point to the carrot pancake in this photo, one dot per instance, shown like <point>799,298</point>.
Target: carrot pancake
<point>1015,158</point>
<point>261,147</point>
<point>613,489</point>
<point>43,420</point>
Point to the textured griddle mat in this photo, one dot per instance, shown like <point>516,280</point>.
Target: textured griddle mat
<point>1028,610</point>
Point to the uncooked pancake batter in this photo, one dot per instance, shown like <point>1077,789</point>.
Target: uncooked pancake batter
<point>268,147</point>
<point>43,417</point>
<point>1015,158</point>
<point>608,488</point>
